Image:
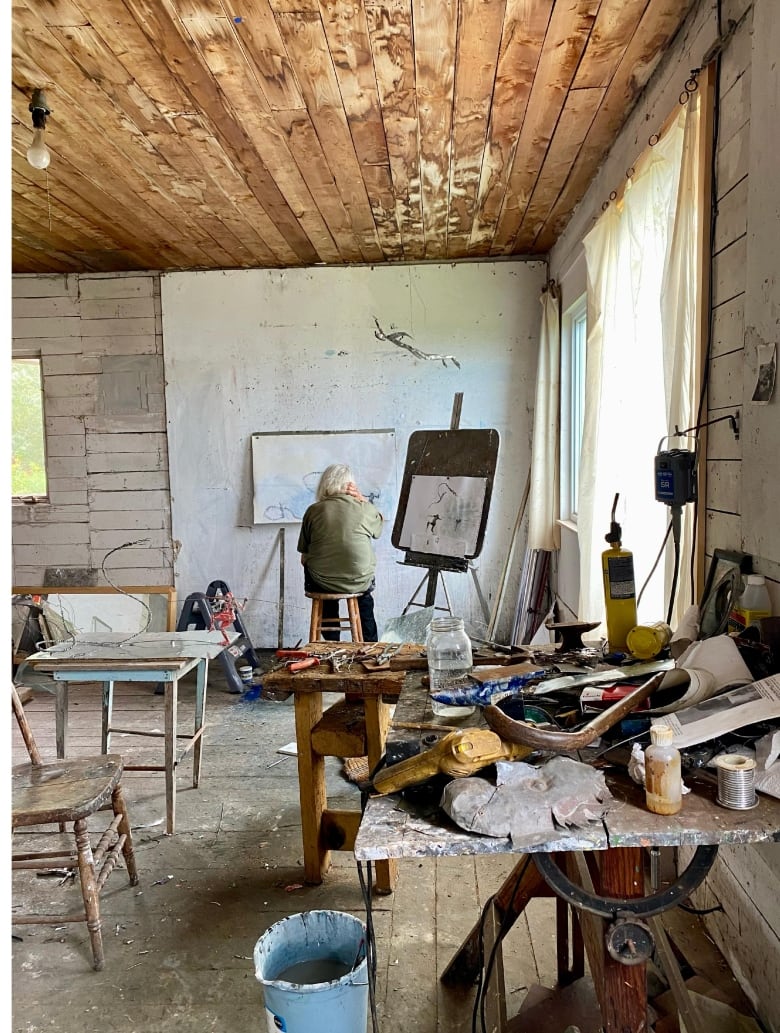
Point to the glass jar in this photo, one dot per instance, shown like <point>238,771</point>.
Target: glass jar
<point>449,662</point>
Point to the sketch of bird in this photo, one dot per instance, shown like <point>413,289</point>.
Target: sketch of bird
<point>396,337</point>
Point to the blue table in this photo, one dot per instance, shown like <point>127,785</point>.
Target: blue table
<point>153,657</point>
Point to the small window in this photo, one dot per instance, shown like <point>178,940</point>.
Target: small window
<point>28,450</point>
<point>574,338</point>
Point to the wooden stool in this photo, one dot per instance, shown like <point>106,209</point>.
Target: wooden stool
<point>351,621</point>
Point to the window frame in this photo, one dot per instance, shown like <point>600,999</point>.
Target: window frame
<point>574,334</point>
<point>33,499</point>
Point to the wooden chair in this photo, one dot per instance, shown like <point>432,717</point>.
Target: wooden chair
<point>57,792</point>
<point>351,621</point>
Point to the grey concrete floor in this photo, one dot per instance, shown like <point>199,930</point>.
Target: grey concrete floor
<point>179,945</point>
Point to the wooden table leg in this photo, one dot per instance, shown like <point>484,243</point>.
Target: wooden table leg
<point>377,717</point>
<point>624,1004</point>
<point>311,787</point>
<point>106,714</point>
<point>522,884</point>
<point>171,709</point>
<point>60,716</point>
<point>200,718</point>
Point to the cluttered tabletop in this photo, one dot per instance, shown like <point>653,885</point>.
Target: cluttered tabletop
<point>546,748</point>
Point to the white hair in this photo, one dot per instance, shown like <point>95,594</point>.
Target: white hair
<point>333,481</point>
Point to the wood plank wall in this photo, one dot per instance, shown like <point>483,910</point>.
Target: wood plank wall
<point>99,338</point>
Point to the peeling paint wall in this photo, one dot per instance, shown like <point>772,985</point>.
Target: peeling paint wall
<point>266,350</point>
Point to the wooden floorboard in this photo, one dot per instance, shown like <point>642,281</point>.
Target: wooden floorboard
<point>179,946</point>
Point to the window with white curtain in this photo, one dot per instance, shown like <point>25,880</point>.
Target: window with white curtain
<point>641,258</point>
<point>573,354</point>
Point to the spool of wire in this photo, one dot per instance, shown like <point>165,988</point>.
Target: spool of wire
<point>736,778</point>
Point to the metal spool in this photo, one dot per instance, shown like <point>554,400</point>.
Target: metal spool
<point>736,778</point>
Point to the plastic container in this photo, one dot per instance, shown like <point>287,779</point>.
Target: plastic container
<point>663,772</point>
<point>450,662</point>
<point>646,641</point>
<point>246,675</point>
<point>314,973</point>
<point>752,605</point>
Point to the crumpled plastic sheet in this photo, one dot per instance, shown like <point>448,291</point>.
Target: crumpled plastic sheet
<point>483,693</point>
<point>528,802</point>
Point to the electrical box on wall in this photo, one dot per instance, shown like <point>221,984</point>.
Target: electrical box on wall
<point>675,477</point>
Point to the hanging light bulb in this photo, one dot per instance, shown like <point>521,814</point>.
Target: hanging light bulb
<point>38,154</point>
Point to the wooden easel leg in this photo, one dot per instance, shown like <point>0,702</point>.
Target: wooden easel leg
<point>521,885</point>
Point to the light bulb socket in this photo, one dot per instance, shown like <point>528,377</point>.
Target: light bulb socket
<point>40,109</point>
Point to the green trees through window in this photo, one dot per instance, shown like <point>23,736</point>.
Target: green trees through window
<point>28,455</point>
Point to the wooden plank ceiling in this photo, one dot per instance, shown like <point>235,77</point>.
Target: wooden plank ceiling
<point>200,134</point>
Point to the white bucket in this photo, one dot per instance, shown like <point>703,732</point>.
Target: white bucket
<point>246,674</point>
<point>304,946</point>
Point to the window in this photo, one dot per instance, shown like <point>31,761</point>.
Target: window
<point>28,453</point>
<point>574,336</point>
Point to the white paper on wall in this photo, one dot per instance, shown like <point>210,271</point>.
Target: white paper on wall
<point>287,467</point>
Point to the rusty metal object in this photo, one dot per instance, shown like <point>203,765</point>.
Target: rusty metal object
<point>551,739</point>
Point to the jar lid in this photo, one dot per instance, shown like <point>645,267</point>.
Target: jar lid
<point>661,735</point>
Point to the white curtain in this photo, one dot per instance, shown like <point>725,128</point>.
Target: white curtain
<point>639,350</point>
<point>544,506</point>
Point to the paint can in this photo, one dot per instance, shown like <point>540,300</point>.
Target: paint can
<point>246,674</point>
<point>736,782</point>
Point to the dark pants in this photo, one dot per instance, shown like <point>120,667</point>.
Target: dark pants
<point>330,610</point>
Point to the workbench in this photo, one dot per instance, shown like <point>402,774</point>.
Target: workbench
<point>150,657</point>
<point>602,862</point>
<point>355,727</point>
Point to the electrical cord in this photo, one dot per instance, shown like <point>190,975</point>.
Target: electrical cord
<point>676,530</point>
<point>366,889</point>
<point>652,569</point>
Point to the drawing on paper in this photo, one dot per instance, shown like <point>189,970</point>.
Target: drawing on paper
<point>443,515</point>
<point>287,467</point>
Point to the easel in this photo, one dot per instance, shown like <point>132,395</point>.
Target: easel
<point>431,459</point>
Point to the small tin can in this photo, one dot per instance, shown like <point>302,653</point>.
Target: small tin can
<point>646,641</point>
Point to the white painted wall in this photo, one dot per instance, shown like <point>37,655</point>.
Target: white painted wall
<point>265,350</point>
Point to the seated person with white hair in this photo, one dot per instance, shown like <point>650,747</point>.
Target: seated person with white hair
<point>335,546</point>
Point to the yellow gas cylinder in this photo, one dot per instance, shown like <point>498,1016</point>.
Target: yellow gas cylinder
<point>617,567</point>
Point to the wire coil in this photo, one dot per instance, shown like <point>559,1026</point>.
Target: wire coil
<point>736,782</point>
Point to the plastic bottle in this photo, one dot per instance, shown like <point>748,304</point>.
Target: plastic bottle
<point>753,604</point>
<point>617,567</point>
<point>663,772</point>
<point>450,662</point>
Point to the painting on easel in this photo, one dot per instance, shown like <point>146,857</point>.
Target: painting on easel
<point>443,515</point>
<point>445,495</point>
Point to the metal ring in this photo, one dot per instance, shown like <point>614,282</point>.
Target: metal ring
<point>613,195</point>
<point>653,140</point>
<point>630,172</point>
<point>640,907</point>
<point>605,206</point>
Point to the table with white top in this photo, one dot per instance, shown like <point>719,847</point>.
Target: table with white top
<point>152,657</point>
